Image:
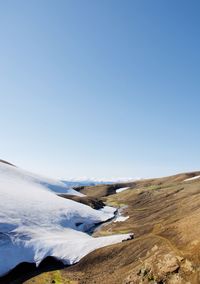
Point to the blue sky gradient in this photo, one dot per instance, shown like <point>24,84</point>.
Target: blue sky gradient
<point>100,88</point>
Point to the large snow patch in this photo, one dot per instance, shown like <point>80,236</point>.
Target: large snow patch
<point>36,223</point>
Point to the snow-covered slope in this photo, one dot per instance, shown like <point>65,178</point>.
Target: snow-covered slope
<point>36,223</point>
<point>48,183</point>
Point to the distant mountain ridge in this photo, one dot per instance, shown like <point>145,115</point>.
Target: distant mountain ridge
<point>76,182</point>
<point>94,181</point>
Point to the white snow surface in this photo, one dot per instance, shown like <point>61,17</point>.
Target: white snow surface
<point>36,223</point>
<point>48,183</point>
<point>122,189</point>
<point>121,219</point>
<point>193,178</point>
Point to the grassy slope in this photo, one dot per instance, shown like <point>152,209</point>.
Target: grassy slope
<point>164,214</point>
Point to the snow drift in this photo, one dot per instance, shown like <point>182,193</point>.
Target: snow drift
<point>36,223</point>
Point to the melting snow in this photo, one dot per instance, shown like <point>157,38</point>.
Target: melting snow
<point>36,223</point>
<point>193,178</point>
<point>121,219</point>
<point>122,189</point>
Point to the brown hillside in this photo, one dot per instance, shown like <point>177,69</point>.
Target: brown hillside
<point>164,215</point>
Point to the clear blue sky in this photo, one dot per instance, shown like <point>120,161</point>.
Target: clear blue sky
<point>100,88</point>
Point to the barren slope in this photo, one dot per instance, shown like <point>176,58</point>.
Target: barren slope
<point>164,214</point>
